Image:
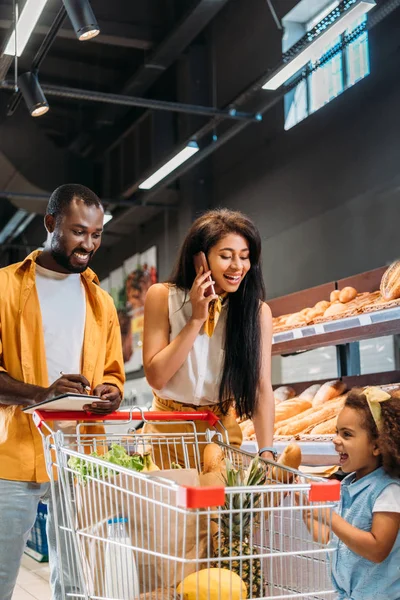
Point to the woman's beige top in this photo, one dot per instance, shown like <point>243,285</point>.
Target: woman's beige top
<point>197,381</point>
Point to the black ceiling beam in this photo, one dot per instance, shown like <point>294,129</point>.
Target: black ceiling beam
<point>102,97</point>
<point>6,195</point>
<point>121,34</point>
<point>166,53</point>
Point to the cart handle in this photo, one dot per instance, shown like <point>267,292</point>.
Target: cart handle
<point>40,416</point>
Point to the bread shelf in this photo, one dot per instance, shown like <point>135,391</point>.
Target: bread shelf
<point>339,331</point>
<point>318,453</point>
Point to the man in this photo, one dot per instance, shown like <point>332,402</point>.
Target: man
<point>59,333</point>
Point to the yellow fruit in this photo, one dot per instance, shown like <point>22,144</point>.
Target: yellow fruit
<point>149,465</point>
<point>212,584</point>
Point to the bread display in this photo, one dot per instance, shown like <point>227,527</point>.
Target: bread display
<point>301,422</point>
<point>346,302</point>
<point>325,428</point>
<point>335,308</point>
<point>291,408</point>
<point>328,391</point>
<point>310,392</point>
<point>283,393</point>
<point>390,283</point>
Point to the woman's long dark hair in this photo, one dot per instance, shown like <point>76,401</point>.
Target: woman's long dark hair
<point>241,372</point>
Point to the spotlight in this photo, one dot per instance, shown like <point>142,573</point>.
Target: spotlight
<point>82,19</point>
<point>33,95</point>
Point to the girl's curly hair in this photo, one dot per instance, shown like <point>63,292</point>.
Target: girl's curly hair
<point>388,436</point>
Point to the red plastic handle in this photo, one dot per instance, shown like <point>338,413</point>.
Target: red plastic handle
<point>46,415</point>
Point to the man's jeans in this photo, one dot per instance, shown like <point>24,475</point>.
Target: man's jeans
<point>18,509</point>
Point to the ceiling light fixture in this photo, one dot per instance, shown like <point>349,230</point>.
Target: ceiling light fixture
<point>82,19</point>
<point>26,24</point>
<point>32,93</point>
<point>16,225</point>
<point>107,217</point>
<point>315,48</point>
<point>170,166</point>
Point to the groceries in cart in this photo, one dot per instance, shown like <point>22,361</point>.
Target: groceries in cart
<point>209,522</point>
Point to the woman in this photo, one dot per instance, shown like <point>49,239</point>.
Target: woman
<point>213,352</point>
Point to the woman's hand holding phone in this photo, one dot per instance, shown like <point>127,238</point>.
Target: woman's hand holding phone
<point>200,302</point>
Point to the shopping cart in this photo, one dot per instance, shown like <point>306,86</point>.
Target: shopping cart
<point>124,534</point>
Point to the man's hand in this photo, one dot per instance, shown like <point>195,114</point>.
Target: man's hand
<point>66,384</point>
<point>110,399</point>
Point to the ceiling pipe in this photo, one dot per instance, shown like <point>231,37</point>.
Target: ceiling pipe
<point>4,194</point>
<point>104,98</point>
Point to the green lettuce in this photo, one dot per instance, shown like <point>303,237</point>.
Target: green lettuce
<point>117,455</point>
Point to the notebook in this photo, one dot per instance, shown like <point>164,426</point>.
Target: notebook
<point>65,402</point>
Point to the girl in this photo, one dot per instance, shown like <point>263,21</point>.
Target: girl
<point>366,565</point>
<point>213,352</point>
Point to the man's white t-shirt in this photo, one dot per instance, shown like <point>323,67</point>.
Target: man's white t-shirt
<point>63,307</point>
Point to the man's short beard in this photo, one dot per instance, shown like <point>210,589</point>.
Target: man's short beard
<point>65,262</point>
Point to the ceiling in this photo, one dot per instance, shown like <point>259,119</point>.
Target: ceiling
<point>158,50</point>
<point>192,53</point>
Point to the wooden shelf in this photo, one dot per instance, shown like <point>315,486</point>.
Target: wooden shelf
<point>340,331</point>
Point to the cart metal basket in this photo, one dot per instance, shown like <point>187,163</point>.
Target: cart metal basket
<point>124,534</point>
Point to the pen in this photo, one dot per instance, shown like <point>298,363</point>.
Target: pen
<point>86,387</point>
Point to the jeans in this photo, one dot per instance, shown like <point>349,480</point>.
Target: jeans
<point>18,509</point>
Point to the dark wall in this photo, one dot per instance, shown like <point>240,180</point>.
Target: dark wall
<point>326,194</point>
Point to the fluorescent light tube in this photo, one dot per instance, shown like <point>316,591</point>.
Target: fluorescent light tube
<point>170,166</point>
<point>107,218</point>
<point>26,24</point>
<point>316,48</point>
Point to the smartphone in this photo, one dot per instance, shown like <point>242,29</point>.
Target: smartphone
<point>200,260</point>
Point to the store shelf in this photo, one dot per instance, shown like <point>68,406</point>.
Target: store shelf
<point>340,331</point>
<point>313,453</point>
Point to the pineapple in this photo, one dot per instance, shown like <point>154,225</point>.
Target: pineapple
<point>233,537</point>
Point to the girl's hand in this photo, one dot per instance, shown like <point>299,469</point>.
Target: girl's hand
<point>200,303</point>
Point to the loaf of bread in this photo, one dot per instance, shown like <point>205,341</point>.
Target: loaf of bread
<point>290,457</point>
<point>302,422</point>
<point>334,295</point>
<point>290,408</point>
<point>347,294</point>
<point>322,305</point>
<point>328,391</point>
<point>284,392</point>
<point>310,392</point>
<point>390,282</point>
<point>335,309</point>
<point>311,411</point>
<point>296,320</point>
<point>326,427</point>
<point>213,459</point>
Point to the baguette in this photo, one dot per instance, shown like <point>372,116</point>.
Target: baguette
<point>290,408</point>
<point>298,425</point>
<point>326,427</point>
<point>390,282</point>
<point>310,392</point>
<point>311,411</point>
<point>330,389</point>
<point>283,393</point>
<point>290,457</point>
